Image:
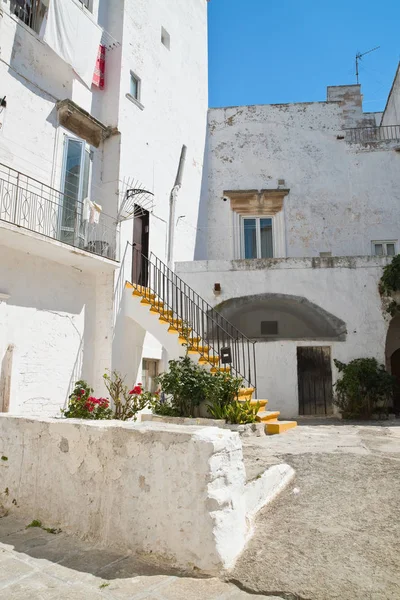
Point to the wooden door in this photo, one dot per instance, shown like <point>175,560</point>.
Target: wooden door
<point>395,369</point>
<point>140,247</point>
<point>314,374</point>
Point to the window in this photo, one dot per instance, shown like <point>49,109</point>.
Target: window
<point>135,87</point>
<point>31,13</point>
<point>75,180</point>
<point>150,372</point>
<point>384,248</point>
<point>165,38</point>
<point>87,4</point>
<point>269,327</point>
<point>257,239</point>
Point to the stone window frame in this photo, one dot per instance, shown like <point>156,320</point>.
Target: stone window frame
<point>267,203</point>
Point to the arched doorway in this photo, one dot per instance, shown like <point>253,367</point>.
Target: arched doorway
<point>393,357</point>
<point>395,369</point>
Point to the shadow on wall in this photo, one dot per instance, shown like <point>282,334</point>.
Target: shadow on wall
<point>32,60</point>
<point>200,250</point>
<point>281,316</point>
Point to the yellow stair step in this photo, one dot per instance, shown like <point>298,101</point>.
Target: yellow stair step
<point>246,393</point>
<point>157,306</point>
<point>209,360</point>
<point>279,427</point>
<point>198,349</point>
<point>262,403</point>
<point>224,369</point>
<point>192,341</point>
<point>268,415</point>
<point>148,296</point>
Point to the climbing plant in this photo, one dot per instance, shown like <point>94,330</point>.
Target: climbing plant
<point>390,283</point>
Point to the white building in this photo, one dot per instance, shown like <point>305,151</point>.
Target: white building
<point>300,207</point>
<point>297,214</point>
<point>68,147</point>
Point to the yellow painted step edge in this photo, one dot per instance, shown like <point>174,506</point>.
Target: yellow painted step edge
<point>279,427</point>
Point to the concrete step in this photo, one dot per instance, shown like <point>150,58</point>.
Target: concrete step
<point>213,360</point>
<point>268,415</point>
<point>198,349</point>
<point>157,306</point>
<point>279,427</point>
<point>262,403</point>
<point>224,369</point>
<point>246,393</point>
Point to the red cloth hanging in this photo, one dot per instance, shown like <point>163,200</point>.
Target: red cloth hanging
<point>98,77</point>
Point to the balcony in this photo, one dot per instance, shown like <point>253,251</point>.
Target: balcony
<point>368,135</point>
<point>34,206</point>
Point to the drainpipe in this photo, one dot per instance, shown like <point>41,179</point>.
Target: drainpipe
<point>172,205</point>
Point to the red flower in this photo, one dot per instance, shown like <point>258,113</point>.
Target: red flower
<point>137,390</point>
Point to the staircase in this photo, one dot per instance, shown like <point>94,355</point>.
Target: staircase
<point>270,417</point>
<point>183,322</point>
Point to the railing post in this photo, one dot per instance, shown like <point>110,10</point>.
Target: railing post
<point>16,199</point>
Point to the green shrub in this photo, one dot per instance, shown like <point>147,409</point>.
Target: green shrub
<point>389,283</point>
<point>127,403</point>
<point>222,390</point>
<point>364,389</point>
<point>240,413</point>
<point>82,405</point>
<point>186,384</point>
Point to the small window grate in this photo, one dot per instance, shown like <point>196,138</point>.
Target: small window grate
<point>269,327</point>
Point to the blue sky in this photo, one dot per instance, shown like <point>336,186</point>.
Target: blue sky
<point>273,51</point>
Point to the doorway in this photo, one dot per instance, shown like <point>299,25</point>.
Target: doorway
<point>140,250</point>
<point>395,370</point>
<point>314,373</point>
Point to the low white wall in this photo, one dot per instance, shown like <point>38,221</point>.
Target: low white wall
<point>175,495</point>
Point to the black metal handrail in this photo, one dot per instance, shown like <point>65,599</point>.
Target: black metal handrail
<point>365,135</point>
<point>34,205</point>
<point>201,325</point>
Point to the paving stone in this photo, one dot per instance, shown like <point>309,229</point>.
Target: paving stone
<point>196,589</point>
<point>35,586</point>
<point>11,570</point>
<point>129,589</point>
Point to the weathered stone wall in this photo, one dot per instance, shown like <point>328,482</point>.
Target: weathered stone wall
<point>341,196</point>
<point>175,495</point>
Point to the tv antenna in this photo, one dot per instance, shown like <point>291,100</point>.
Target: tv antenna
<point>359,57</point>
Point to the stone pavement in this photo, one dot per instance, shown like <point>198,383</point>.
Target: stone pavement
<point>334,533</point>
<point>37,565</point>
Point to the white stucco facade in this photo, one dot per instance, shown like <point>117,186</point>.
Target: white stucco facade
<point>333,186</point>
<point>325,179</point>
<point>139,143</point>
<point>346,287</point>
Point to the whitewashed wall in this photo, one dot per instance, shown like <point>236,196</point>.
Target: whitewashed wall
<point>342,196</point>
<point>58,320</point>
<point>174,495</point>
<point>345,287</point>
<point>391,116</point>
<point>174,97</point>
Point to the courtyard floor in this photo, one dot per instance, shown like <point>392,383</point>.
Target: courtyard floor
<point>334,533</point>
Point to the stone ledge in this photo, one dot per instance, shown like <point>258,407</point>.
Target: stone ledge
<point>245,430</point>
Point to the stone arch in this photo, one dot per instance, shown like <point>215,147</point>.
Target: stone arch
<point>297,318</point>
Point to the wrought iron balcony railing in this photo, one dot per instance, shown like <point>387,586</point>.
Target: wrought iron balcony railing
<point>33,205</point>
<point>366,135</point>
